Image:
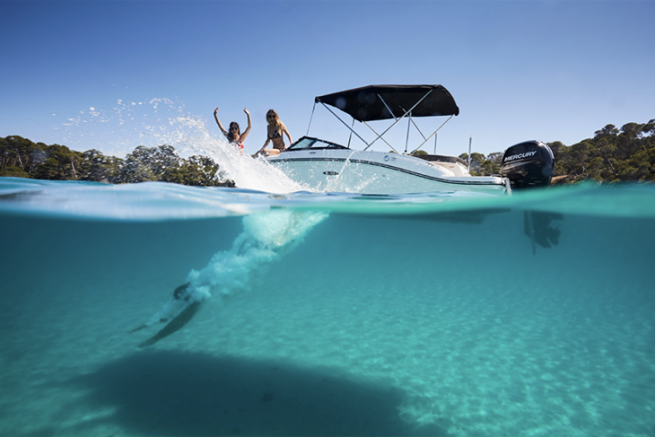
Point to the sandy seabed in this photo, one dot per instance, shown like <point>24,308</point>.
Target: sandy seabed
<point>361,330</point>
<point>307,360</point>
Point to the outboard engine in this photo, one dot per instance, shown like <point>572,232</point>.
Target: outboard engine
<point>528,164</point>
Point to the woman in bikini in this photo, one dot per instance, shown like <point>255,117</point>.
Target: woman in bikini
<point>234,136</point>
<point>274,130</point>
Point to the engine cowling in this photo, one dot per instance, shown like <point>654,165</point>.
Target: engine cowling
<point>528,164</point>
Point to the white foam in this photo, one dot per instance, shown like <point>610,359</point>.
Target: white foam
<point>163,121</point>
<point>189,135</point>
<point>264,239</point>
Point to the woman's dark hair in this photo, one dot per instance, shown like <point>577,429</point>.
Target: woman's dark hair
<point>230,135</point>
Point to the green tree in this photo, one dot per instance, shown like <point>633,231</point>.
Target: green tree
<point>148,164</point>
<point>14,172</point>
<point>100,168</point>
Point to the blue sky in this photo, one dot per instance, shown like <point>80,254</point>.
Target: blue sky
<point>519,70</point>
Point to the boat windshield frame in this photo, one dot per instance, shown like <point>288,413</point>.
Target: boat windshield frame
<point>312,143</point>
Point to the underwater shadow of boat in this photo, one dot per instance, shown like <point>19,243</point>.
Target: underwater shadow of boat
<point>165,393</point>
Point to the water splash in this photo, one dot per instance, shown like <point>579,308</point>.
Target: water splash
<point>164,121</point>
<point>350,184</point>
<point>264,240</point>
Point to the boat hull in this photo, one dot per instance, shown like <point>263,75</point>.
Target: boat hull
<point>376,173</point>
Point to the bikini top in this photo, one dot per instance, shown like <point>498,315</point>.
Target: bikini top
<point>275,135</point>
<point>238,145</point>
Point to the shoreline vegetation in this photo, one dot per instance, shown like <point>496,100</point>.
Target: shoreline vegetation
<point>20,157</point>
<point>612,155</point>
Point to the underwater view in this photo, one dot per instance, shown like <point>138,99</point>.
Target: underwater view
<point>432,314</point>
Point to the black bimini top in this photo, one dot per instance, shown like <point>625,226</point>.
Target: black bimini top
<point>368,103</point>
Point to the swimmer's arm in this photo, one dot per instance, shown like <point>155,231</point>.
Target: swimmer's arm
<point>268,140</point>
<point>286,131</point>
<point>218,122</point>
<point>247,131</point>
<point>261,151</point>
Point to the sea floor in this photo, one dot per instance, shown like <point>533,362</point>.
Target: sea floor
<point>330,350</point>
<point>369,362</point>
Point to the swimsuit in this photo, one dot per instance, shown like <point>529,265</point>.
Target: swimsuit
<point>275,136</point>
<point>237,145</point>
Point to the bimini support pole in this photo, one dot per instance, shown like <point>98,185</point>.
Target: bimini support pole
<point>470,141</point>
<point>409,124</point>
<point>351,133</point>
<point>415,125</point>
<point>382,138</point>
<point>394,117</point>
<point>346,124</point>
<point>311,118</point>
<point>398,119</point>
<point>388,108</point>
<point>433,134</point>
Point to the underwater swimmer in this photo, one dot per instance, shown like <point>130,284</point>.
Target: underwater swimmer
<point>177,312</point>
<point>265,238</point>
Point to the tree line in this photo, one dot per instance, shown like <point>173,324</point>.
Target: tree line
<point>612,155</point>
<point>20,157</point>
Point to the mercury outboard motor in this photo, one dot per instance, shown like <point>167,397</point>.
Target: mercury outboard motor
<point>528,164</point>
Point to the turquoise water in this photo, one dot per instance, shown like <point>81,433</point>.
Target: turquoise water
<point>330,314</point>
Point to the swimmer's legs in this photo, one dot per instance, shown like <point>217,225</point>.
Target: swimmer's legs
<point>177,312</point>
<point>174,325</point>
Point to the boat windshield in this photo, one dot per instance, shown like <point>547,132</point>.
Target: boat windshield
<point>313,143</point>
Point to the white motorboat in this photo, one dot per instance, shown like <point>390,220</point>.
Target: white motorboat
<point>322,165</point>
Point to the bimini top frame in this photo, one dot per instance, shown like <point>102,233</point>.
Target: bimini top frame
<point>386,102</point>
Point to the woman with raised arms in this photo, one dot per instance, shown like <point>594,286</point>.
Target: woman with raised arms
<point>234,135</point>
